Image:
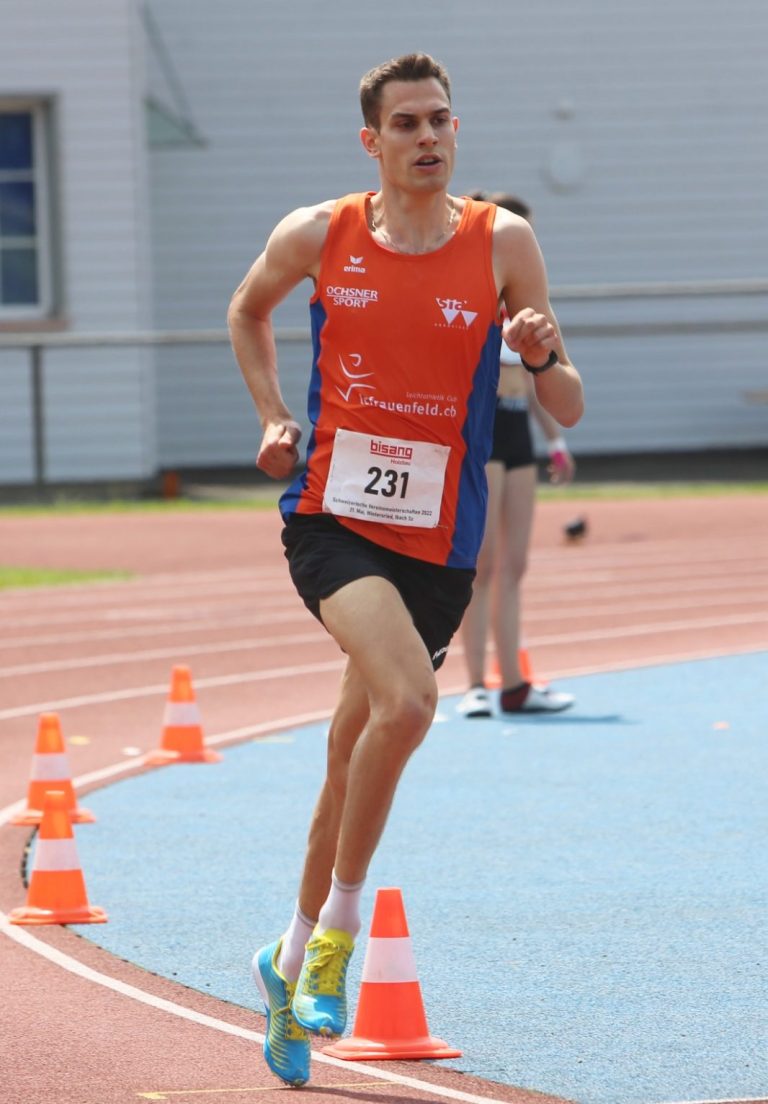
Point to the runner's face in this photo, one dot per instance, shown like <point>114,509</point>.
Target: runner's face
<point>416,140</point>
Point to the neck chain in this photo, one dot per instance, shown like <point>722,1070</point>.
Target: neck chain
<point>431,245</point>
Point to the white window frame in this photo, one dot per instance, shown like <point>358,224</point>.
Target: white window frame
<point>39,110</point>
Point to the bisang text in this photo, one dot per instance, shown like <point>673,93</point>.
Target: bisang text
<point>382,448</point>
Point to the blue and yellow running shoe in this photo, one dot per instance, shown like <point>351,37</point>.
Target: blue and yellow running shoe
<point>320,1000</point>
<point>286,1047</point>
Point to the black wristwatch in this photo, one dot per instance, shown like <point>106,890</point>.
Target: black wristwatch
<point>551,359</point>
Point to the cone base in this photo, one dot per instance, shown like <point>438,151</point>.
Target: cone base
<point>162,757</point>
<point>89,914</point>
<point>354,1049</point>
<point>33,817</point>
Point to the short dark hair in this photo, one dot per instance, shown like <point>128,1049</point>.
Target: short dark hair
<point>510,202</point>
<point>409,67</point>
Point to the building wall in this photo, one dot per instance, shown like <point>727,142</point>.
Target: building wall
<point>87,57</point>
<point>631,129</point>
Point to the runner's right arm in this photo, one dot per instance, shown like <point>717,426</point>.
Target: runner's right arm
<point>291,255</point>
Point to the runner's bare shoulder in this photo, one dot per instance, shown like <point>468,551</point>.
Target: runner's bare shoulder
<point>301,236</point>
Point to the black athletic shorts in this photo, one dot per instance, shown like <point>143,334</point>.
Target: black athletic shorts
<point>512,442</point>
<point>323,556</point>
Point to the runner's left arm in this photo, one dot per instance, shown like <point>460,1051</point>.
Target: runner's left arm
<point>532,329</point>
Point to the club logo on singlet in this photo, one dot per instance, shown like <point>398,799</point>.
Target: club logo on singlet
<point>353,377</point>
<point>454,313</point>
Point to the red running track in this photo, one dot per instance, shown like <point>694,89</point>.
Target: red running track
<point>654,581</point>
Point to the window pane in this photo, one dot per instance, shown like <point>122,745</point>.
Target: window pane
<point>17,208</point>
<point>18,277</point>
<point>15,140</point>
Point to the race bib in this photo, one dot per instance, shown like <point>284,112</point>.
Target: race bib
<point>386,479</point>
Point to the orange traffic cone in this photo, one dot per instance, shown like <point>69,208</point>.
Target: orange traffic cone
<point>182,739</point>
<point>390,1021</point>
<point>50,771</point>
<point>56,892</point>
<point>493,678</point>
<point>525,665</point>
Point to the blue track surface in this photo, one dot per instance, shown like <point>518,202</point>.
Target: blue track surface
<point>586,893</point>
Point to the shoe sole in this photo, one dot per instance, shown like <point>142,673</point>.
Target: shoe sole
<point>536,709</point>
<point>296,1082</point>
<point>260,983</point>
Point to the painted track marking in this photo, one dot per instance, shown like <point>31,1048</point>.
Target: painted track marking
<point>164,1094</point>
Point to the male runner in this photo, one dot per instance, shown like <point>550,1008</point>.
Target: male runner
<point>383,527</point>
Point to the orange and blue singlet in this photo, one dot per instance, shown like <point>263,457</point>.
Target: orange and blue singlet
<point>406,367</point>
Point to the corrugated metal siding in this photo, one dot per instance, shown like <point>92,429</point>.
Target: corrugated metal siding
<point>633,130</point>
<point>88,55</point>
<point>17,462</point>
<point>659,104</point>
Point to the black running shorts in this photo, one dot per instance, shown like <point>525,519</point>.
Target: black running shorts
<point>512,442</point>
<point>323,556</point>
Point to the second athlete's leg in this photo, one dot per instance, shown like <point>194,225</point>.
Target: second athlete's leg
<point>516,517</point>
<point>474,625</point>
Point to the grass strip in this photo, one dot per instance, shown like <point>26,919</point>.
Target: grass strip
<point>44,576</point>
<point>266,499</point>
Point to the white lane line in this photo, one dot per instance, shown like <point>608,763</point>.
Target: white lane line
<point>112,658</point>
<point>561,592</point>
<point>637,556</point>
<point>541,614</point>
<point>128,609</point>
<point>97,588</point>
<point>319,636</point>
<point>560,575</point>
<point>180,625</point>
<point>567,589</point>
<point>654,629</point>
<point>73,966</point>
<point>661,659</point>
<point>551,607</point>
<point>162,688</point>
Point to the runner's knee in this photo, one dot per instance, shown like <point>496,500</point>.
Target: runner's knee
<point>405,718</point>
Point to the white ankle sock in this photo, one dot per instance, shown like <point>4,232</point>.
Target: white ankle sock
<point>294,941</point>
<point>342,908</point>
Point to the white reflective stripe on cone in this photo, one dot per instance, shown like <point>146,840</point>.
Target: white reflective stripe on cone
<point>49,767</point>
<point>56,854</point>
<point>389,960</point>
<point>181,714</point>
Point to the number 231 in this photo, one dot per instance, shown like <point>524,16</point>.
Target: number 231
<point>391,481</point>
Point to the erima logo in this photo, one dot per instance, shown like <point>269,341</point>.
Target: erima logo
<point>453,309</point>
<point>355,264</point>
<point>441,651</point>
